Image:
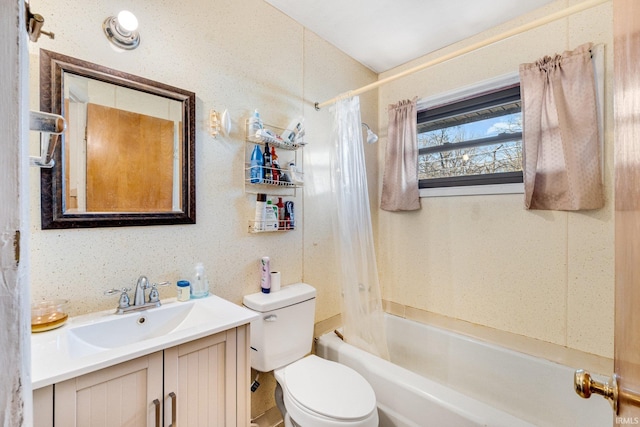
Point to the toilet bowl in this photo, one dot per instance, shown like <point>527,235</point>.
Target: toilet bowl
<point>315,392</point>
<point>322,393</point>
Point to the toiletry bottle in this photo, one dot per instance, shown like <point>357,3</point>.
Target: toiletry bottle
<point>275,171</point>
<point>199,284</point>
<point>284,177</point>
<point>271,218</point>
<point>261,212</point>
<point>280,206</point>
<point>184,291</point>
<point>268,176</point>
<point>256,165</point>
<point>265,275</point>
<point>296,175</point>
<point>288,216</point>
<point>294,131</point>
<point>276,215</point>
<point>255,124</point>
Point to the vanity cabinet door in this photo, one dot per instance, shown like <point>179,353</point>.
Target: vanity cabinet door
<point>202,376</point>
<point>43,407</point>
<point>121,395</point>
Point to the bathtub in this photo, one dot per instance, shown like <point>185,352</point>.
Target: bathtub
<point>444,379</point>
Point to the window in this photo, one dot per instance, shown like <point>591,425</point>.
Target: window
<point>474,141</point>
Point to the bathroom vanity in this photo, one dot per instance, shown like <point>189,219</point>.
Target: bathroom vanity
<point>185,363</point>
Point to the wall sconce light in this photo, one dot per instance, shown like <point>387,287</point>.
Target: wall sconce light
<point>121,30</point>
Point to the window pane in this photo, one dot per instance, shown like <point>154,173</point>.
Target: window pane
<point>466,131</point>
<point>485,158</point>
<point>480,160</point>
<point>474,115</point>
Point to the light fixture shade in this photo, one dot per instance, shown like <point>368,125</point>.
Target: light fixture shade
<point>122,30</point>
<point>127,21</point>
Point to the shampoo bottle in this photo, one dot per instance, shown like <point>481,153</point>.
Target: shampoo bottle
<point>280,206</point>
<point>271,217</point>
<point>275,165</point>
<point>265,275</point>
<point>261,212</point>
<point>256,165</point>
<point>268,175</point>
<point>255,124</point>
<point>289,220</point>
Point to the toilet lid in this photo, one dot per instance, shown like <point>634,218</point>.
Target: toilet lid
<point>329,388</point>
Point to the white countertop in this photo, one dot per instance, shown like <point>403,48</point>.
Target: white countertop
<point>98,340</point>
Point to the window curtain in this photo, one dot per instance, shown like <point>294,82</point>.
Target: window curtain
<point>561,149</point>
<point>400,179</point>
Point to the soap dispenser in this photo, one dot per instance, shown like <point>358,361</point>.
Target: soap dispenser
<point>199,284</point>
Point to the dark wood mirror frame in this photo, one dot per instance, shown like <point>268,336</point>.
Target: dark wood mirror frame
<point>52,68</point>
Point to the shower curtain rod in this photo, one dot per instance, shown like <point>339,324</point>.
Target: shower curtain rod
<point>521,29</point>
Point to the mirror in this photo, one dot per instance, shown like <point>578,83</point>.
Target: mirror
<point>128,154</point>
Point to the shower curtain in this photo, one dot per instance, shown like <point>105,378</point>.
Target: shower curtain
<point>362,313</point>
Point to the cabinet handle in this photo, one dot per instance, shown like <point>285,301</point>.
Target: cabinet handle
<point>156,403</point>
<point>172,395</point>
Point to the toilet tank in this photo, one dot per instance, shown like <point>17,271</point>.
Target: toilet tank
<point>284,331</point>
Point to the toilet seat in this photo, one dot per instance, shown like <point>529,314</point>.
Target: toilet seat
<point>319,392</point>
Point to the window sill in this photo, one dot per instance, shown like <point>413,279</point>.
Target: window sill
<point>473,190</point>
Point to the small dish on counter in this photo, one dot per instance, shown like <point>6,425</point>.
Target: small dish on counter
<point>48,315</point>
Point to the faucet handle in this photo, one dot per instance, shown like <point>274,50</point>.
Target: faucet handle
<point>161,284</point>
<point>124,297</point>
<point>114,291</point>
<point>154,296</point>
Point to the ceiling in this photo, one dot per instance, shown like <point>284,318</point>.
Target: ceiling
<point>382,34</point>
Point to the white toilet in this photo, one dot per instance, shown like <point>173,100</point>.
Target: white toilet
<point>315,392</point>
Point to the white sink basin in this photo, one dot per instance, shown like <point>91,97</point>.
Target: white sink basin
<point>124,329</point>
<point>97,340</point>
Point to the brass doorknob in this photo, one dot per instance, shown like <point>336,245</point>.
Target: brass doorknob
<point>584,385</point>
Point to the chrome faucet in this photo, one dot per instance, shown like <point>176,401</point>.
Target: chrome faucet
<point>139,300</point>
<point>141,286</point>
